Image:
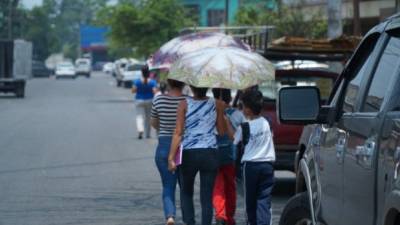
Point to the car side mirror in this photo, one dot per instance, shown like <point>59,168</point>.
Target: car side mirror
<point>299,105</point>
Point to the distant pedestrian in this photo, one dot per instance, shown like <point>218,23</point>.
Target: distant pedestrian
<point>198,120</point>
<point>224,196</point>
<point>163,119</point>
<point>145,88</point>
<point>258,157</point>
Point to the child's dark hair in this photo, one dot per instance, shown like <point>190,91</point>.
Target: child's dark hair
<point>223,94</point>
<point>175,84</point>
<point>253,99</point>
<point>145,73</point>
<point>199,92</point>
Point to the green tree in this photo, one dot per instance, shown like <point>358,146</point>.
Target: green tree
<point>40,30</point>
<point>143,27</point>
<point>287,22</point>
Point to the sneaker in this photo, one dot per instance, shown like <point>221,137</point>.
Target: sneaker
<point>140,135</point>
<point>220,222</point>
<point>170,221</point>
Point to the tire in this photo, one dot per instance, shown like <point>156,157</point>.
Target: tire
<point>119,83</point>
<point>296,211</point>
<point>20,92</point>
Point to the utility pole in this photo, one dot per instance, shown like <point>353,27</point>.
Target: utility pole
<point>226,12</point>
<point>335,25</point>
<point>10,19</point>
<point>356,18</point>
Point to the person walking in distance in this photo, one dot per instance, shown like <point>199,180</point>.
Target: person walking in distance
<point>163,119</point>
<point>257,159</point>
<point>224,196</point>
<point>198,120</point>
<point>145,88</point>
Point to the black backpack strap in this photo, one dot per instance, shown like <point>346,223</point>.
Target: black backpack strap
<point>245,133</point>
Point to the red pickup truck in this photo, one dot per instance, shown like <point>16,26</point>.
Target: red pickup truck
<point>286,137</point>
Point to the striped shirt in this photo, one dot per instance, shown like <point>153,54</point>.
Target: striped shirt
<point>165,109</point>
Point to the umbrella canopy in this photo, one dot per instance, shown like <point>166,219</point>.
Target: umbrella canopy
<point>181,45</point>
<point>225,67</point>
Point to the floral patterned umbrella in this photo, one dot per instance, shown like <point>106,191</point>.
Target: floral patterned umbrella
<point>222,67</point>
<point>181,45</point>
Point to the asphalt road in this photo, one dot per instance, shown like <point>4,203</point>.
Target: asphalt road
<point>68,155</point>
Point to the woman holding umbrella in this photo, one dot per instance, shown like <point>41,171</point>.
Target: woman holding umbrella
<point>198,118</point>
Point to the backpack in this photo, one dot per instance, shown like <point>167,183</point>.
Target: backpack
<point>241,146</point>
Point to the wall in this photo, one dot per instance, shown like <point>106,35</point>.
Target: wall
<point>205,5</point>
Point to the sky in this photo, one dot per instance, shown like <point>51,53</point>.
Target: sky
<point>31,3</point>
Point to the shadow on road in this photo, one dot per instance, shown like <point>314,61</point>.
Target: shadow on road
<point>284,187</point>
<point>113,101</point>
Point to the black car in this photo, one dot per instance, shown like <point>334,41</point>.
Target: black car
<point>349,171</point>
<point>39,69</point>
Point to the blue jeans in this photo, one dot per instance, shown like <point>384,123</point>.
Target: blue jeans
<point>168,179</point>
<point>258,183</point>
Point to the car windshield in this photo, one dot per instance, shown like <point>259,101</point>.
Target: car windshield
<point>135,67</point>
<point>83,63</point>
<point>65,66</point>
<point>270,88</point>
<point>332,66</point>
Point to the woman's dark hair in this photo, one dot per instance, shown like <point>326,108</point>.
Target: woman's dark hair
<point>253,99</point>
<point>199,92</point>
<point>223,94</point>
<point>145,73</point>
<point>175,84</point>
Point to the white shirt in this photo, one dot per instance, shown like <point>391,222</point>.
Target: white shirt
<point>260,147</point>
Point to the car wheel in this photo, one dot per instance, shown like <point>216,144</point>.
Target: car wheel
<point>118,83</point>
<point>20,90</point>
<point>296,211</point>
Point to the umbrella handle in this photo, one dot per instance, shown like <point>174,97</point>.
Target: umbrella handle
<point>236,100</point>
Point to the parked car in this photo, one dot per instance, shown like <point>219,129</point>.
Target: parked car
<point>349,171</point>
<point>131,72</point>
<point>119,68</point>
<point>108,68</point>
<point>39,69</point>
<point>286,137</point>
<point>83,67</point>
<point>65,69</point>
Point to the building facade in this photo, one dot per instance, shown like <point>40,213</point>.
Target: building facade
<point>212,12</point>
<point>371,11</point>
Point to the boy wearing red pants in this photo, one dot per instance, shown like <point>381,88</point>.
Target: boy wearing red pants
<point>224,196</point>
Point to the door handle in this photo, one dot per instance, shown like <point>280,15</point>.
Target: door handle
<point>340,147</point>
<point>365,152</point>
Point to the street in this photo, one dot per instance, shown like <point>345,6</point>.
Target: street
<point>69,155</point>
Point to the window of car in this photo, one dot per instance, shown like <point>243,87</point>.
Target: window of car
<point>387,69</point>
<point>357,71</point>
<point>270,88</point>
<point>135,67</point>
